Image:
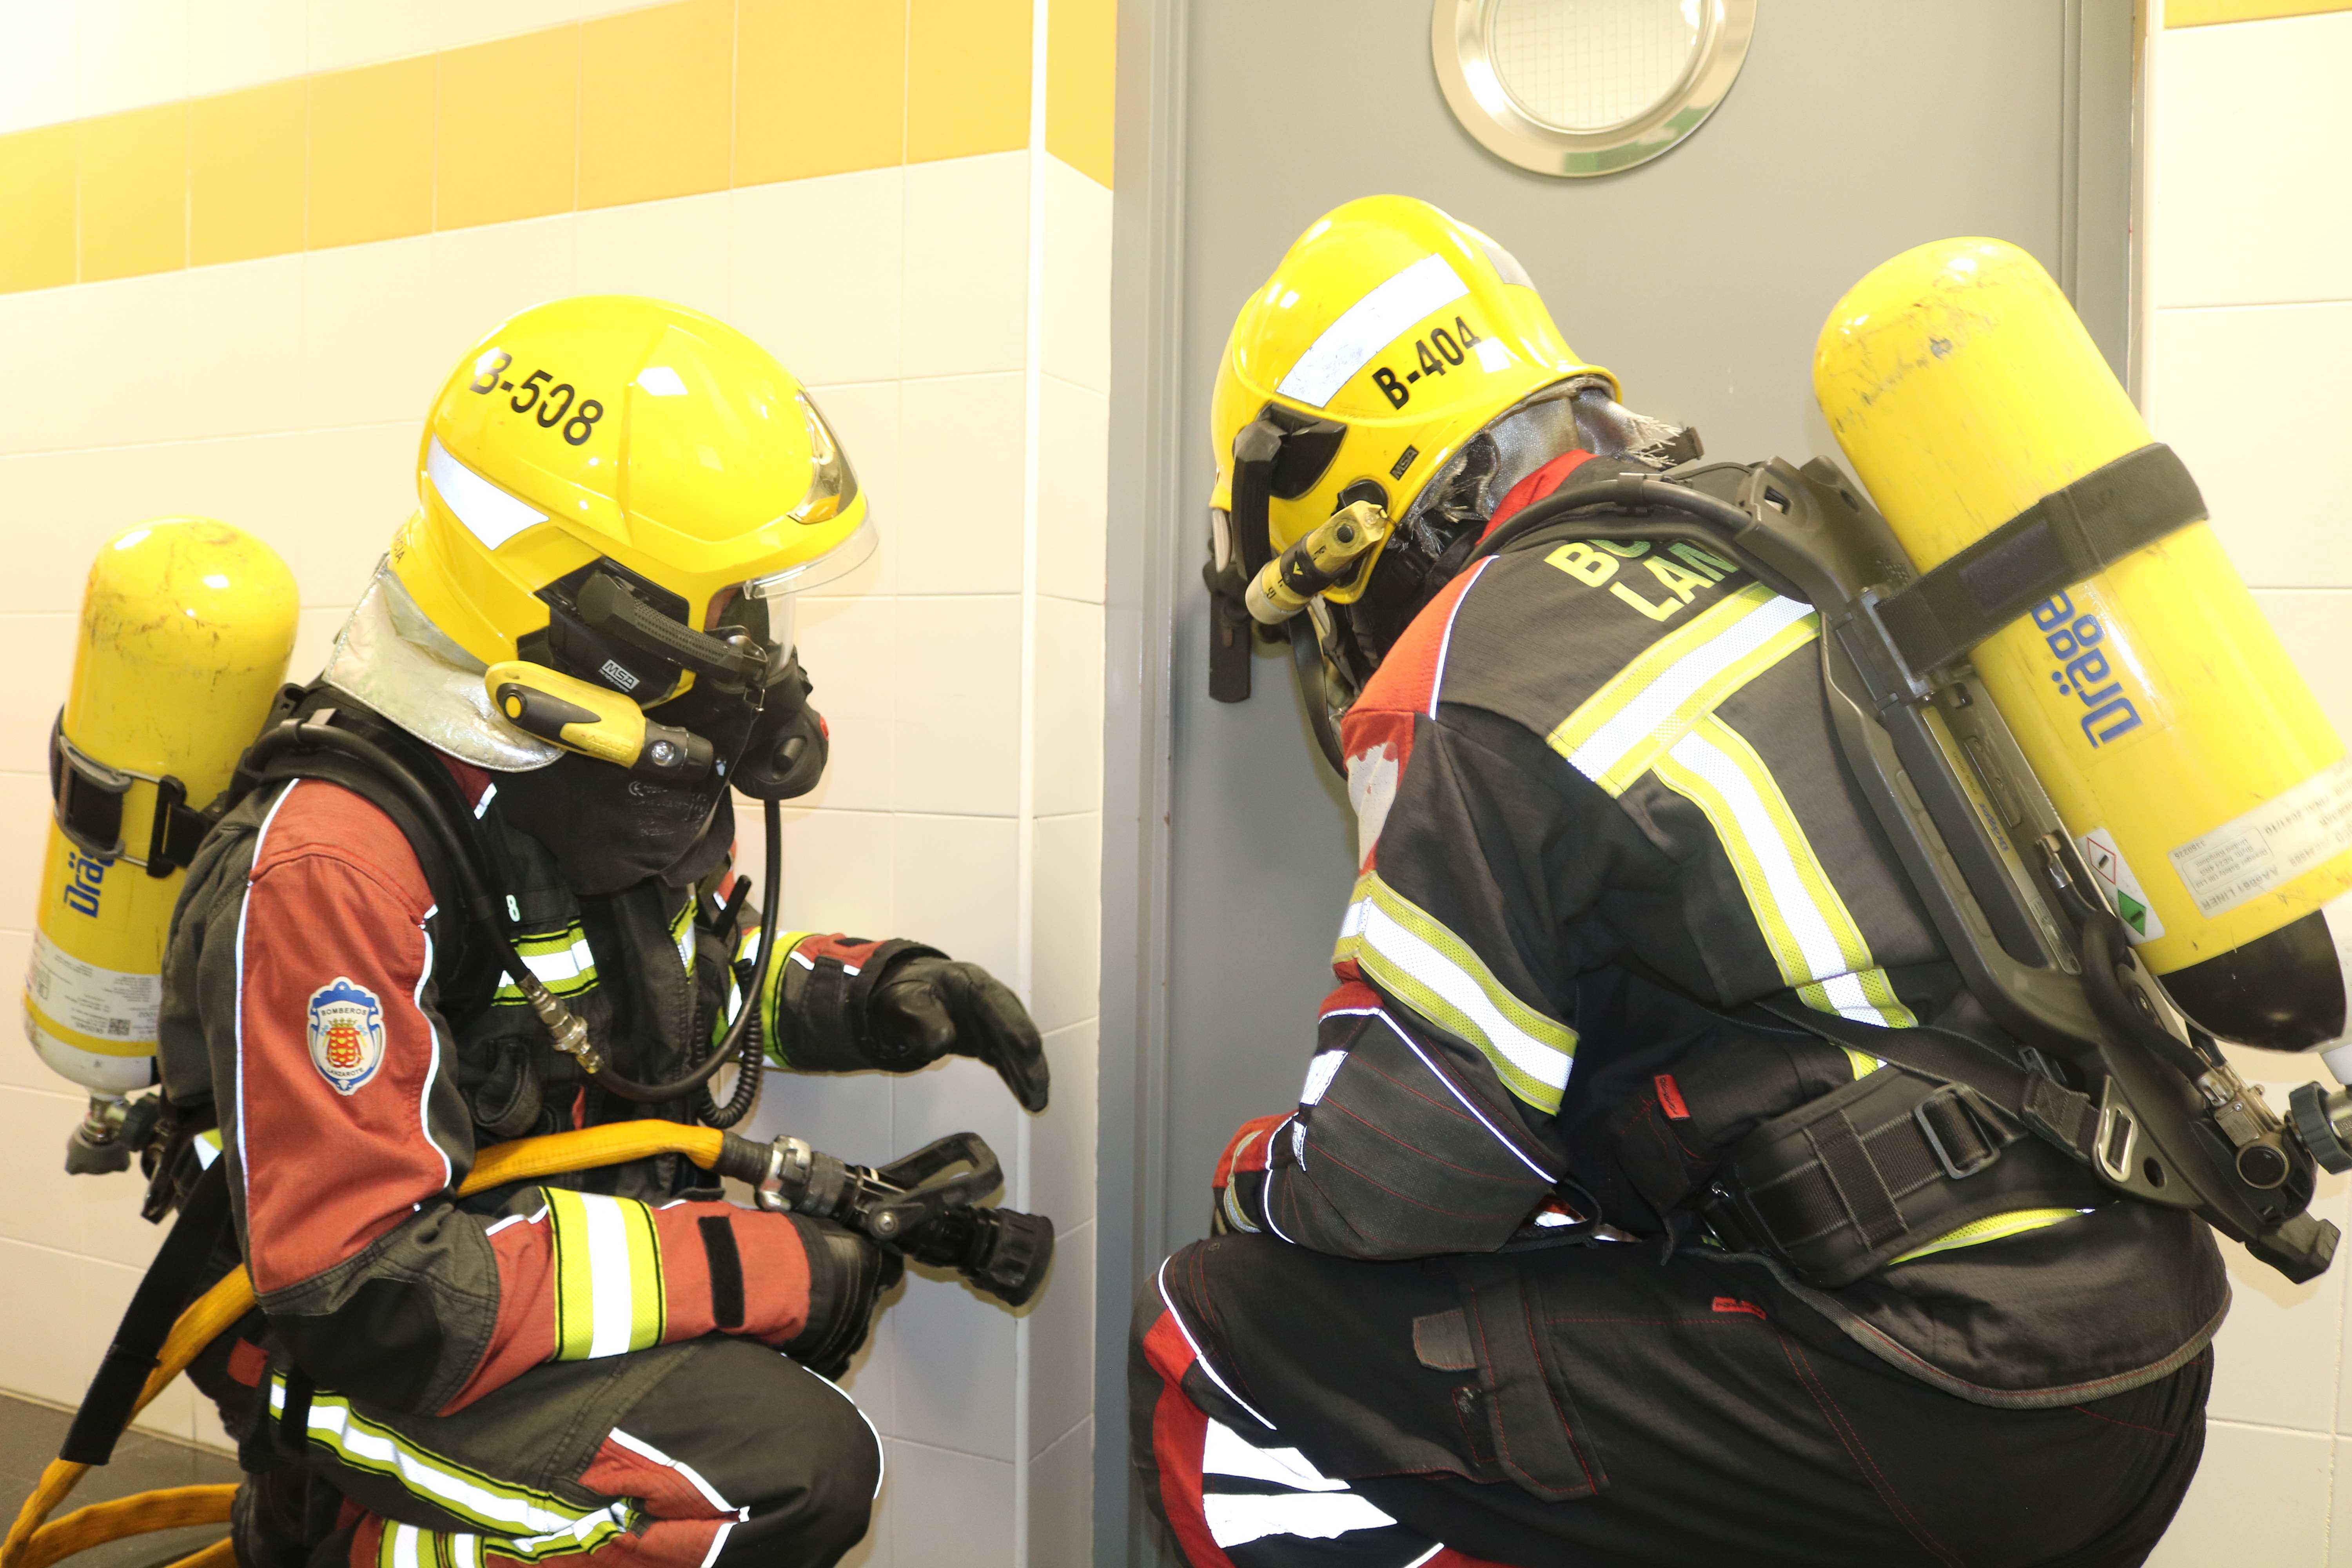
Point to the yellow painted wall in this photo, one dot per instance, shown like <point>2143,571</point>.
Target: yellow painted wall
<point>650,103</point>
<point>2206,13</point>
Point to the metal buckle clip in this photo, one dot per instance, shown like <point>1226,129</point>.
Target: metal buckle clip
<point>1720,1213</point>
<point>1952,1167</point>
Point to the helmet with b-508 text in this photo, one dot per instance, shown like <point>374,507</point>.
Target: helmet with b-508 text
<point>618,498</point>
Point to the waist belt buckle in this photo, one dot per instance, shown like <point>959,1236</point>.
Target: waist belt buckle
<point>1951,1095</point>
<point>1721,1215</point>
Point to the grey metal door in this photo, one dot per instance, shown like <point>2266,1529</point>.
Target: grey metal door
<point>1857,128</point>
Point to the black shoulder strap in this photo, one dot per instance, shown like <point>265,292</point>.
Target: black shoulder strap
<point>455,961</point>
<point>2056,1114</point>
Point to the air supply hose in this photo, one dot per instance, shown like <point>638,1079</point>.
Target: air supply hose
<point>33,1543</point>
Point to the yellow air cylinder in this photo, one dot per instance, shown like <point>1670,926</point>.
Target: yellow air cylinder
<point>2182,749</point>
<point>186,624</point>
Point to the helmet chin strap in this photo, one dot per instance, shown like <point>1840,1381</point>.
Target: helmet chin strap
<point>1314,673</point>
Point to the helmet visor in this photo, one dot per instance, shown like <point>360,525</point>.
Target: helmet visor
<point>855,550</point>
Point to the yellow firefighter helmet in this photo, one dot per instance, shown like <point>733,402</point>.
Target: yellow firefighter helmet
<point>609,431</point>
<point>1389,335</point>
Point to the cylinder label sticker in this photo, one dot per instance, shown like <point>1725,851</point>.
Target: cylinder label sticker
<point>2276,842</point>
<point>108,1004</point>
<point>2122,889</point>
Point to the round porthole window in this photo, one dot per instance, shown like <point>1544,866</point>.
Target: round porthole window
<point>1587,87</point>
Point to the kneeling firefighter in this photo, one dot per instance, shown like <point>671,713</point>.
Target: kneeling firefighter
<point>474,887</point>
<point>1739,1133</point>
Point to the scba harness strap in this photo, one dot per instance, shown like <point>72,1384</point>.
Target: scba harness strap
<point>1948,1135</point>
<point>1954,1133</point>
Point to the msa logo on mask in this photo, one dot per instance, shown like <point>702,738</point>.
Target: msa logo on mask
<point>346,1027</point>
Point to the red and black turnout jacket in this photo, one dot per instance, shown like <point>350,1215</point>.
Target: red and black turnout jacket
<point>1599,809</point>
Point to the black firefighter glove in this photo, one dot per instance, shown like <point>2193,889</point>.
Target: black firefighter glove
<point>897,1006</point>
<point>847,1275</point>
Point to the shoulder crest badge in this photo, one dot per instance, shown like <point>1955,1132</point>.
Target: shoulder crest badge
<point>346,1034</point>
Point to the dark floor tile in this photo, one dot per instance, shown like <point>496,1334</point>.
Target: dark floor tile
<point>29,1437</point>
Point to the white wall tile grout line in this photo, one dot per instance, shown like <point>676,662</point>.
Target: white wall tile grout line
<point>1025,865</point>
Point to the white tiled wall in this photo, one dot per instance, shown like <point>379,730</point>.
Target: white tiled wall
<point>953,319</point>
<point>2247,332</point>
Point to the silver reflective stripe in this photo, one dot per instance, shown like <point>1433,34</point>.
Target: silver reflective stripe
<point>1412,958</point>
<point>488,513</point>
<point>505,1510</point>
<point>1319,1074</point>
<point>1236,1519</point>
<point>1223,1453</point>
<point>1370,325</point>
<point>1206,1365</point>
<point>1316,1508</point>
<point>565,963</point>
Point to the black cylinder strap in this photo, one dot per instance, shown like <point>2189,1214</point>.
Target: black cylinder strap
<point>2066,537</point>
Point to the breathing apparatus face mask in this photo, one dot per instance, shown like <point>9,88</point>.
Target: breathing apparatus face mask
<point>603,679</point>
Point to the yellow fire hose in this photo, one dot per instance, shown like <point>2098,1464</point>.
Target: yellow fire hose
<point>34,1543</point>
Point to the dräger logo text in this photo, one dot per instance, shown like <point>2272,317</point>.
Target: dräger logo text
<point>2084,673</point>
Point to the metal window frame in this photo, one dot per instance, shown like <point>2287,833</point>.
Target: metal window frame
<point>1459,47</point>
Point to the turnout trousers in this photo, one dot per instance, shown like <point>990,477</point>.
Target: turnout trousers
<point>709,1453</point>
<point>1590,1405</point>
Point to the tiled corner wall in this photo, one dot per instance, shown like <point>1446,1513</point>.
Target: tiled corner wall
<point>2246,331</point>
<point>880,197</point>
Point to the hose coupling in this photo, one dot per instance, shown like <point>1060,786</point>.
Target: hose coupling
<point>786,1174</point>
<point>798,1179</point>
<point>564,1029</point>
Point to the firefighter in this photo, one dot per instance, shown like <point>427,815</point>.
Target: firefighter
<point>1481,1296</point>
<point>619,499</point>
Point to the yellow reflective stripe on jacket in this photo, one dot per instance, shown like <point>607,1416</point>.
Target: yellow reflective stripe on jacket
<point>1811,935</point>
<point>1409,954</point>
<point>407,1546</point>
<point>1619,732</point>
<point>608,1287</point>
<point>561,960</point>
<point>1992,1227</point>
<point>410,1546</point>
<point>773,999</point>
<point>681,934</point>
<point>524,1522</point>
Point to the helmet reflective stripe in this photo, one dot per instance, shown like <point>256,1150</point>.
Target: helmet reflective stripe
<point>488,513</point>
<point>1370,325</point>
